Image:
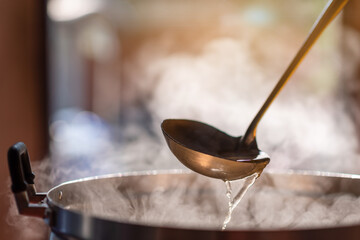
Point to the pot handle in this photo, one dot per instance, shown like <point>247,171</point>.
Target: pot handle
<point>28,201</point>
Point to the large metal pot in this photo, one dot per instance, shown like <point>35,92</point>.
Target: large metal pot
<point>82,209</point>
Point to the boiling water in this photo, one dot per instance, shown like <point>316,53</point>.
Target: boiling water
<point>249,181</point>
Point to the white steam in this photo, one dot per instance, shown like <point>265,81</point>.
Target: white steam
<point>307,127</point>
<point>194,201</point>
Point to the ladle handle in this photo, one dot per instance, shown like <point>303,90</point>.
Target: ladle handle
<point>330,11</point>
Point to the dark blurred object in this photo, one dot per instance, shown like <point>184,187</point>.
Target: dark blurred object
<point>351,59</point>
<point>351,16</point>
<point>23,100</point>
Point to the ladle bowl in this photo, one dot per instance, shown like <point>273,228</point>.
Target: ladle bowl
<point>211,152</point>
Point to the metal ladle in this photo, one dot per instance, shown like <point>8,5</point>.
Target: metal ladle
<point>213,153</point>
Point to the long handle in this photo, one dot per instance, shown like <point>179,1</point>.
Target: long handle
<point>332,8</point>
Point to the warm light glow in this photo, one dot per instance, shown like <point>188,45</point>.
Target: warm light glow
<point>68,10</point>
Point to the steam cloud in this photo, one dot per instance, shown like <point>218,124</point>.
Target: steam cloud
<point>196,201</point>
<point>226,85</point>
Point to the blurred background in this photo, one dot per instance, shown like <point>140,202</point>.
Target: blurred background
<point>86,84</point>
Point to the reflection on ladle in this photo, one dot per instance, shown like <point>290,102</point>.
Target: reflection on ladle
<point>213,153</point>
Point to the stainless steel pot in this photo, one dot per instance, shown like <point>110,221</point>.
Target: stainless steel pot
<point>80,209</point>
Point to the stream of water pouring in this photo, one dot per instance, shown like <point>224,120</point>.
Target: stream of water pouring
<point>249,181</point>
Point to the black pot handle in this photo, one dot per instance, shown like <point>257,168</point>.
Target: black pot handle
<point>19,166</point>
<point>22,180</point>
